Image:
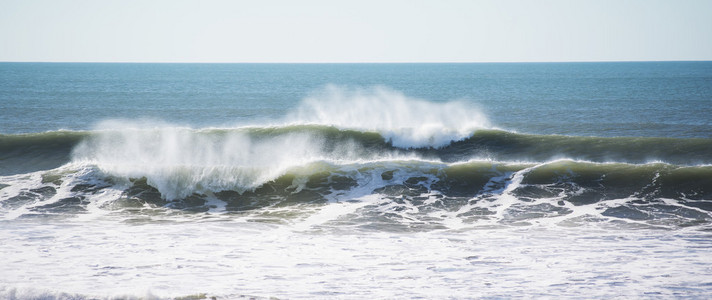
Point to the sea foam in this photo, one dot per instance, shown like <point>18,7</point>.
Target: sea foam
<point>180,161</point>
<point>406,122</point>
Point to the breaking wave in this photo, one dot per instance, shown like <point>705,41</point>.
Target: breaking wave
<point>405,162</point>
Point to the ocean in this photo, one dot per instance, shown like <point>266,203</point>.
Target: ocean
<point>353,181</point>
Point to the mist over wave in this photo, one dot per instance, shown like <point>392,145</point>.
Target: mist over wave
<point>337,124</point>
<point>406,122</point>
<point>181,161</point>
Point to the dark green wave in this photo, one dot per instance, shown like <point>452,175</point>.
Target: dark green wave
<point>24,153</point>
<point>507,146</point>
<point>41,151</point>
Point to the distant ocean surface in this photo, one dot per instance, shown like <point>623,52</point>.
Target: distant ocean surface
<point>386,181</point>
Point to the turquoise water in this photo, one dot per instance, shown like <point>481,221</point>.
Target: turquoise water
<point>353,181</point>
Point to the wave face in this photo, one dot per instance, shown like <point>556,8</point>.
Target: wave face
<point>149,143</point>
<point>25,153</point>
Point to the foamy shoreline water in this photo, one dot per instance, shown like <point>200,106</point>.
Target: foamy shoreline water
<point>161,260</point>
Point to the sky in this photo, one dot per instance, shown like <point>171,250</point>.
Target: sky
<point>308,31</point>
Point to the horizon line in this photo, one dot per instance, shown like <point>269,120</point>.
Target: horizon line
<point>354,62</point>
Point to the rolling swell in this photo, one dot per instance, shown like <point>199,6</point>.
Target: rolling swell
<point>501,145</point>
<point>509,146</point>
<point>25,153</point>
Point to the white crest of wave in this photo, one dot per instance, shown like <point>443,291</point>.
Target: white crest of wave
<point>406,122</point>
<point>181,161</point>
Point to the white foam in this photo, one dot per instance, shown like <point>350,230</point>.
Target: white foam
<point>181,161</point>
<point>110,259</point>
<point>16,185</point>
<point>406,122</point>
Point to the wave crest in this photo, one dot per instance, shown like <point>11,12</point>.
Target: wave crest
<point>404,121</point>
<point>182,161</point>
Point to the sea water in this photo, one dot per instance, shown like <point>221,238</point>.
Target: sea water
<point>355,180</point>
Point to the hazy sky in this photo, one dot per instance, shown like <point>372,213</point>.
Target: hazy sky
<point>354,31</point>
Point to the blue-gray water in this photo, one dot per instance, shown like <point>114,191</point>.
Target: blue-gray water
<point>356,180</point>
<point>663,99</point>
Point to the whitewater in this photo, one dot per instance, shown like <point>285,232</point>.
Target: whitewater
<point>357,191</point>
